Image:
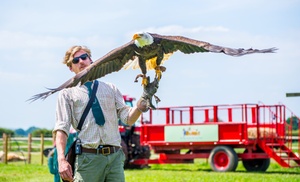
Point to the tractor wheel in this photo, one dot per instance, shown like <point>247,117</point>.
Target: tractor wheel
<point>222,159</point>
<point>256,165</point>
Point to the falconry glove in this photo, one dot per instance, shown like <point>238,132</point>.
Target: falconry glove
<point>145,102</point>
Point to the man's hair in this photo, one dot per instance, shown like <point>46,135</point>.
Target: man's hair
<point>69,56</point>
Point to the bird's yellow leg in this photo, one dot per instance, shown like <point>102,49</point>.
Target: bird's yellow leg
<point>158,74</point>
<point>145,80</point>
<point>158,71</point>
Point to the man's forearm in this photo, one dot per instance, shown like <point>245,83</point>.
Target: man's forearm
<point>61,140</point>
<point>136,111</point>
<point>134,114</point>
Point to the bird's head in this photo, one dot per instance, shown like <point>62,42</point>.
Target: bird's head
<point>142,39</point>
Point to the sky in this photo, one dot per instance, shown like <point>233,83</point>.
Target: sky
<point>34,36</point>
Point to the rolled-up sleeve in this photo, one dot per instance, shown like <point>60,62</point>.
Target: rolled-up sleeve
<point>122,109</point>
<point>63,113</point>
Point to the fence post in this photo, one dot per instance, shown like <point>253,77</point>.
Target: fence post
<point>29,148</point>
<point>5,148</point>
<point>42,148</point>
<point>9,142</point>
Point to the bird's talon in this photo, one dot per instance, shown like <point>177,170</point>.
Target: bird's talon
<point>137,77</point>
<point>145,82</point>
<point>162,68</point>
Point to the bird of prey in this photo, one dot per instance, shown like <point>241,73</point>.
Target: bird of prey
<point>148,50</point>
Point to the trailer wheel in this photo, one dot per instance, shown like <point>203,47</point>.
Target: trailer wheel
<point>222,159</point>
<point>253,165</point>
<point>256,165</point>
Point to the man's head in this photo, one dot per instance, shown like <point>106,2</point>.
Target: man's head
<point>77,58</point>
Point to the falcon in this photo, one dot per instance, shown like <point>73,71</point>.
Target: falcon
<point>146,51</point>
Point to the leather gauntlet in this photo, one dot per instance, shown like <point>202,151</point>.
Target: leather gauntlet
<point>145,102</point>
<point>142,105</point>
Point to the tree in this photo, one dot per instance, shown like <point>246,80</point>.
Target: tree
<point>20,132</point>
<point>45,132</point>
<point>7,131</point>
<point>295,122</point>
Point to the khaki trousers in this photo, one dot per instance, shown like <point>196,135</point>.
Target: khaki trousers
<point>100,168</point>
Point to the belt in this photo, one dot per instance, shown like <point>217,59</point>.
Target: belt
<point>102,149</point>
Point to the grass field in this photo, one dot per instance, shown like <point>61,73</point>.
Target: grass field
<point>200,171</point>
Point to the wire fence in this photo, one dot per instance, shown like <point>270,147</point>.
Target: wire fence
<point>22,148</point>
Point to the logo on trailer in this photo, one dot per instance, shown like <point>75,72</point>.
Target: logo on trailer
<point>191,133</point>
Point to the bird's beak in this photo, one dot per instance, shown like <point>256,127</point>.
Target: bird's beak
<point>136,36</point>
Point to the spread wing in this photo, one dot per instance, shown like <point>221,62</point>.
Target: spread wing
<point>111,62</point>
<point>188,46</point>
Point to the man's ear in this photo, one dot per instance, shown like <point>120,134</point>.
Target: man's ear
<point>70,67</point>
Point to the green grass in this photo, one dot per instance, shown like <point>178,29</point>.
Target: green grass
<point>22,171</point>
<point>200,171</point>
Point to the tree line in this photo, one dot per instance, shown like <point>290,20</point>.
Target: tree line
<point>35,133</point>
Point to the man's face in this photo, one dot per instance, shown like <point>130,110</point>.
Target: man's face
<point>83,62</point>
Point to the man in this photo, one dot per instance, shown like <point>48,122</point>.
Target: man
<point>93,165</point>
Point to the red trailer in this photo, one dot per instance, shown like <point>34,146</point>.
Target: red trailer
<point>224,134</point>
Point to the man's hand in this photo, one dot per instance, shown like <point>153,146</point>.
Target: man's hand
<point>65,170</point>
<point>145,102</point>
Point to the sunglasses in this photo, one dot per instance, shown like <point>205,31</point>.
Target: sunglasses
<point>83,57</point>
